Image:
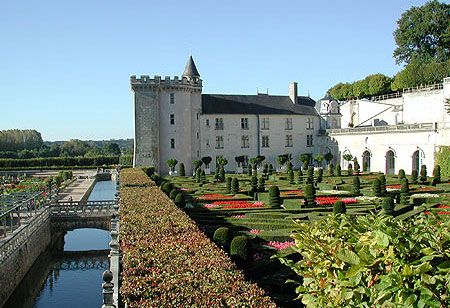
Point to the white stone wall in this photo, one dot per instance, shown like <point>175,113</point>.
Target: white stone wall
<point>365,112</point>
<point>277,132</point>
<point>424,107</point>
<point>403,144</point>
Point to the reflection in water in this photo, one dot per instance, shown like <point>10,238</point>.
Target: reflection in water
<point>69,274</point>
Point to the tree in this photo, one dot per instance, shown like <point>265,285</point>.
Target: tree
<point>319,159</point>
<point>171,163</point>
<point>423,33</point>
<point>207,160</point>
<point>282,159</point>
<point>197,164</point>
<point>348,157</point>
<point>239,160</point>
<point>234,186</point>
<point>378,84</point>
<point>181,170</point>
<point>341,91</point>
<point>305,158</point>
<point>221,161</point>
<point>328,157</point>
<point>420,72</point>
<point>111,148</point>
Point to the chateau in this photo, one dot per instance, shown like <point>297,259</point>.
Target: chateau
<point>173,119</point>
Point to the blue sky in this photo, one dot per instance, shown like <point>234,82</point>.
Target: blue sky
<point>65,65</point>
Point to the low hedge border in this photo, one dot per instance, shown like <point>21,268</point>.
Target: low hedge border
<point>167,261</point>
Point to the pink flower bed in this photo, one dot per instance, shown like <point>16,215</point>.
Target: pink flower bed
<point>280,245</point>
<point>234,204</point>
<point>238,216</point>
<point>332,200</point>
<point>255,231</point>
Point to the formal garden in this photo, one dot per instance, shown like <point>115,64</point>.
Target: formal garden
<point>324,236</point>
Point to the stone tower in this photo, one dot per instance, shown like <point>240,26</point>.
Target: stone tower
<point>166,119</point>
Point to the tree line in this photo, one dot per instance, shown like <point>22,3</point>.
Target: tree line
<point>423,45</point>
<point>27,144</point>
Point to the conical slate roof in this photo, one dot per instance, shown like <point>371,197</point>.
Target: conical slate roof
<point>190,69</point>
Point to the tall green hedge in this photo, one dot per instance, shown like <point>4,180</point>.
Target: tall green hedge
<point>443,160</point>
<point>58,161</point>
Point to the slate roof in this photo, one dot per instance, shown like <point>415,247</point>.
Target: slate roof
<point>256,104</point>
<point>190,70</point>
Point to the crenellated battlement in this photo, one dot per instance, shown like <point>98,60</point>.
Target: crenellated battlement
<point>146,82</point>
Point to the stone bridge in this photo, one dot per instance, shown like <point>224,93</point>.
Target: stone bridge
<point>27,229</point>
<point>67,216</point>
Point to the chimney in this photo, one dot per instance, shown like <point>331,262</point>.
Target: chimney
<point>293,92</point>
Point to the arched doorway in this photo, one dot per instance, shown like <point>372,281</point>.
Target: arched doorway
<point>366,161</point>
<point>417,159</point>
<point>390,162</point>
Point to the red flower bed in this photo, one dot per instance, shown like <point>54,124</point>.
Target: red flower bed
<point>442,206</point>
<point>234,204</point>
<point>213,197</point>
<point>332,200</point>
<point>394,186</point>
<point>292,193</point>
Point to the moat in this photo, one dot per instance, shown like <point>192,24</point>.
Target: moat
<point>69,273</point>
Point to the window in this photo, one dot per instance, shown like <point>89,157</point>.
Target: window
<point>309,140</point>
<point>245,141</point>
<point>265,123</point>
<point>197,115</point>
<point>219,142</point>
<point>244,123</point>
<point>172,98</point>
<point>172,119</point>
<point>207,122</point>
<point>197,135</point>
<point>265,141</point>
<point>219,123</point>
<point>309,123</point>
<point>288,123</point>
<point>207,143</point>
<point>289,141</point>
<point>172,143</point>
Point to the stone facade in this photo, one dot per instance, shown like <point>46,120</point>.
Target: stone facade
<point>172,120</point>
<point>402,132</point>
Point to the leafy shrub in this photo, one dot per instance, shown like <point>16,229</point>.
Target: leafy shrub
<point>254,183</point>
<point>274,196</point>
<point>180,201</point>
<point>291,176</point>
<point>339,207</point>
<point>414,176</point>
<point>239,247</point>
<point>235,186</point>
<point>331,169</point>
<point>349,169</point>
<point>59,161</point>
<point>149,171</point>
<point>443,159</point>
<point>338,170</point>
<point>261,184</point>
<point>372,261</point>
<point>319,175</point>
<point>249,169</point>
<point>222,236</point>
<point>404,191</point>
<point>388,206</point>
<point>173,194</point>
<point>270,169</point>
<point>221,174</point>
<point>376,187</point>
<point>356,186</point>
<point>198,175</point>
<point>181,170</point>
<point>229,179</point>
<point>300,176</point>
<point>310,195</point>
<point>436,175</point>
<point>357,167</point>
<point>167,188</point>
<point>203,177</point>
<point>401,174</point>
<point>383,185</point>
<point>310,175</point>
<point>423,173</point>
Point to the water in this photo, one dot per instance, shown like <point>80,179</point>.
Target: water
<point>70,274</point>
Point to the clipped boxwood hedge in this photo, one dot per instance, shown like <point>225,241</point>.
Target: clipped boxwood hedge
<point>168,262</point>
